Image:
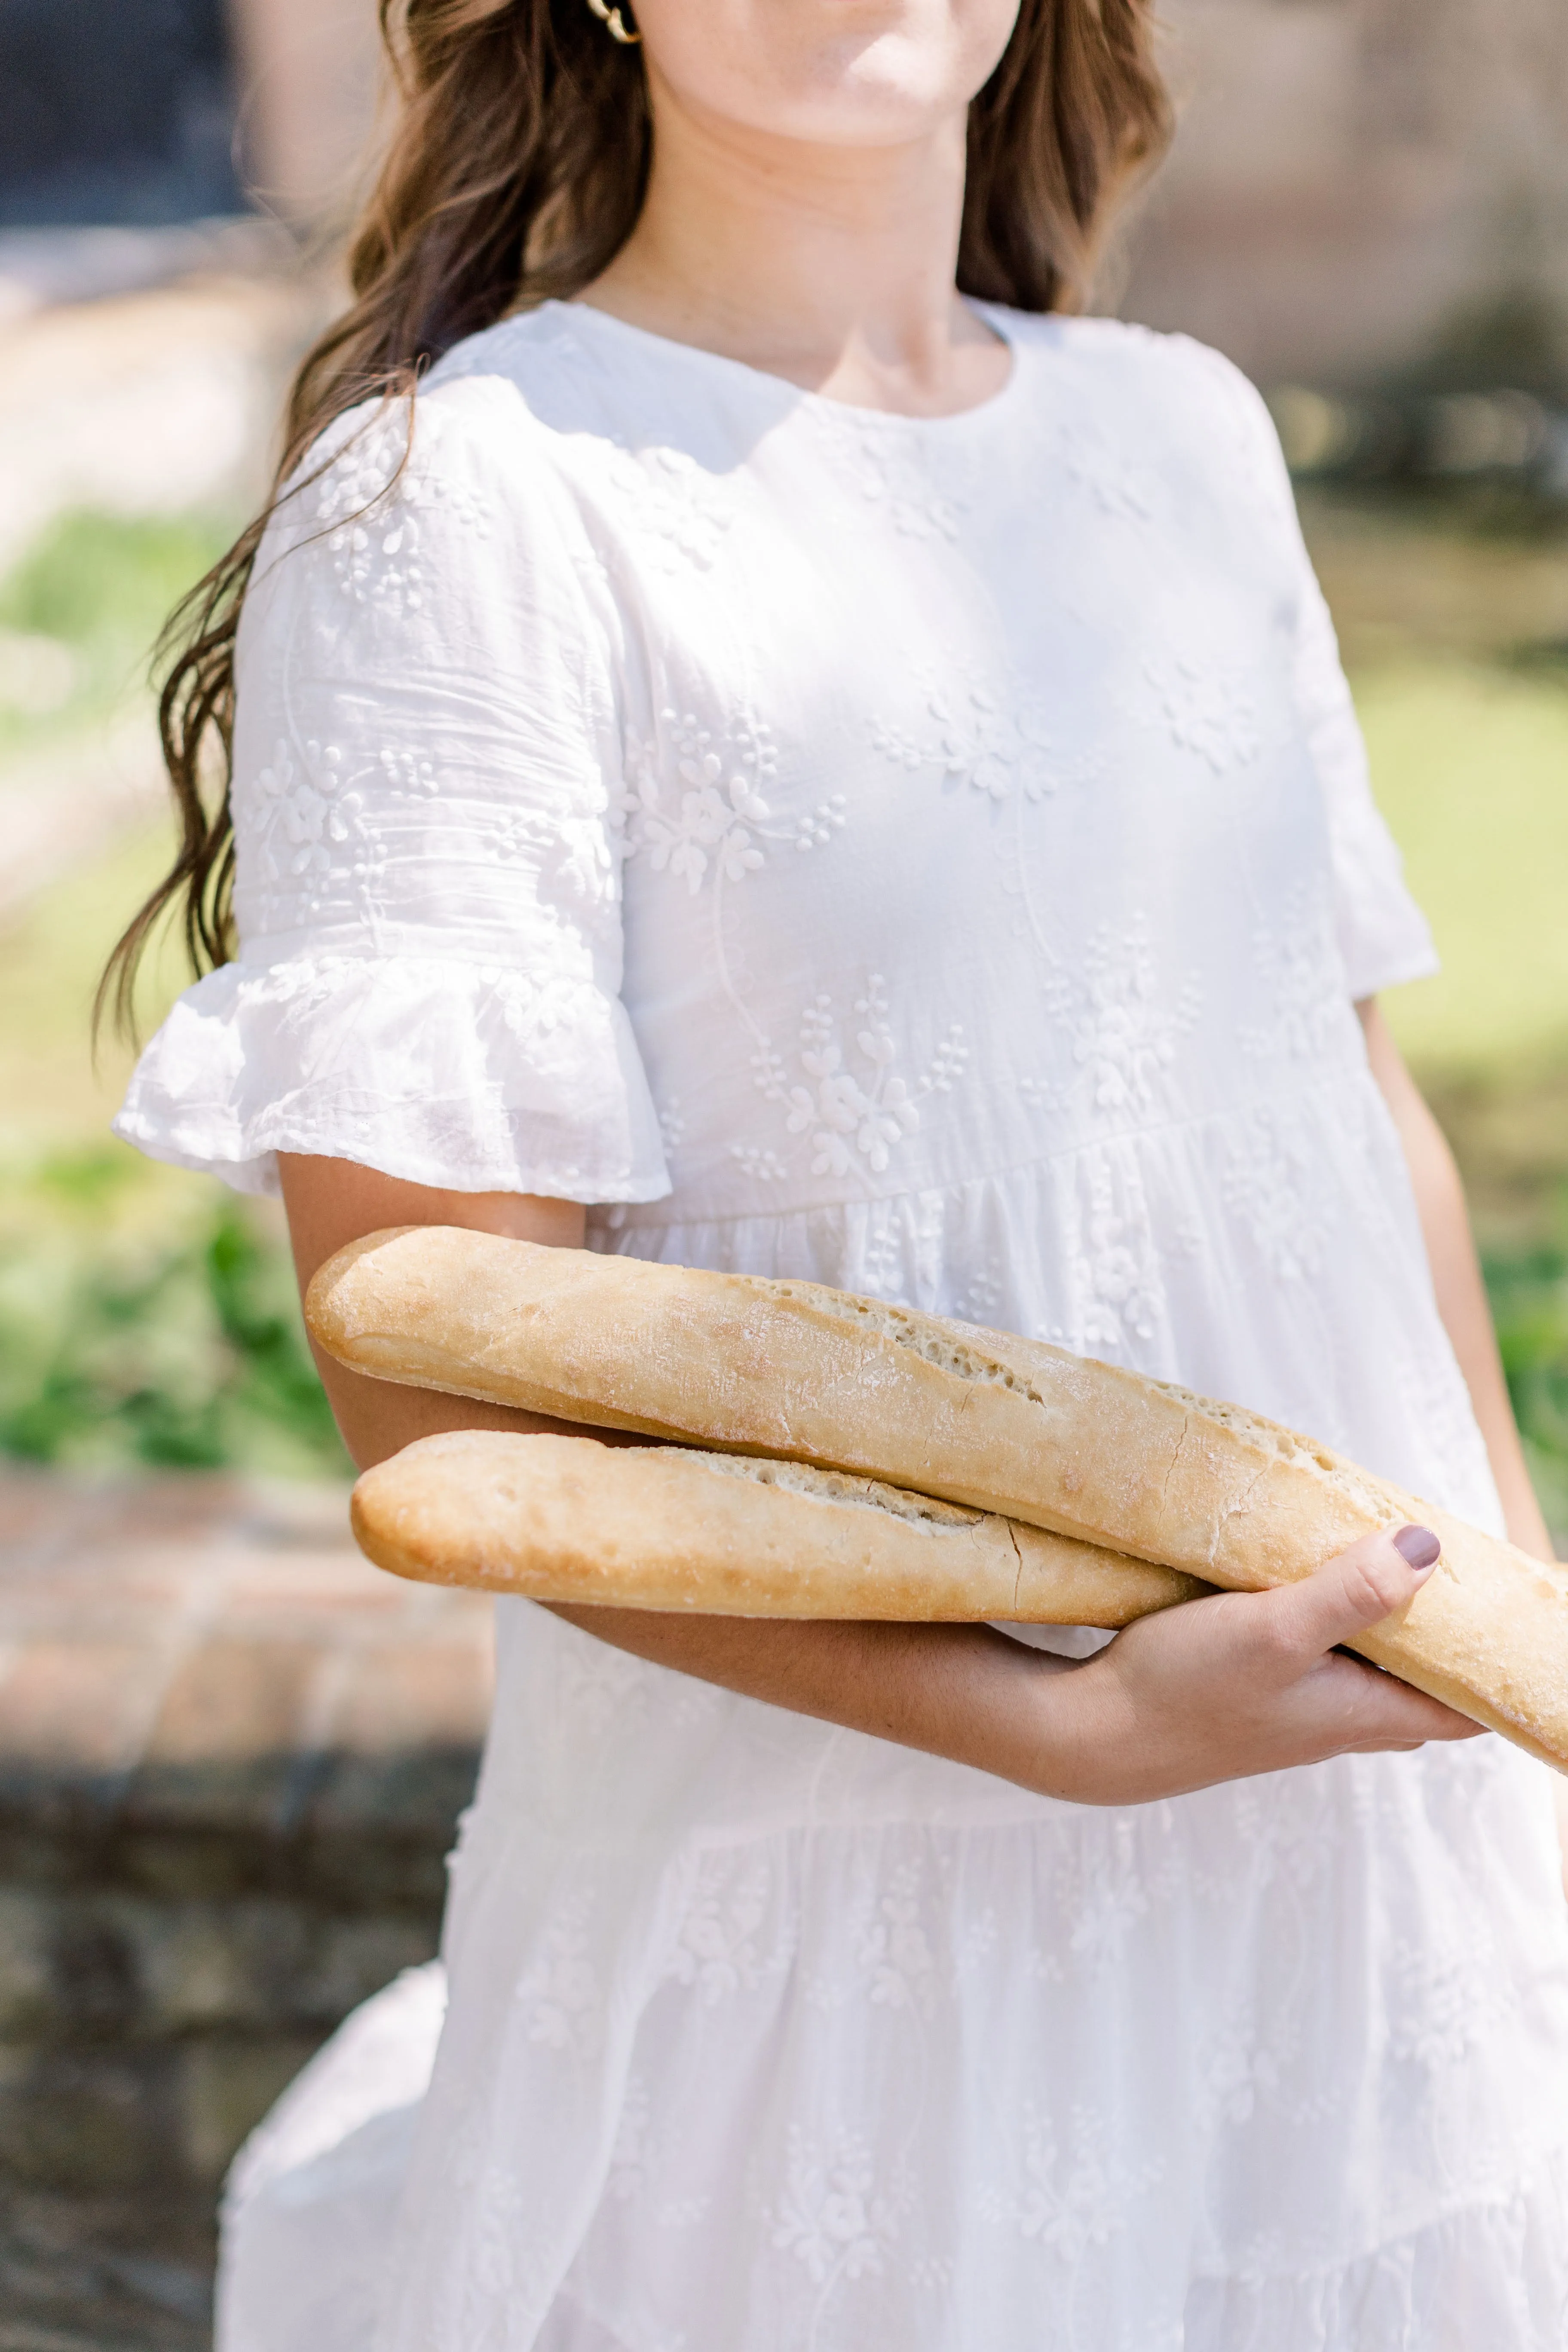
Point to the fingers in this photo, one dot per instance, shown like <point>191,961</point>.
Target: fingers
<point>1245,1683</point>
<point>1375,1578</point>
<point>1387,1713</point>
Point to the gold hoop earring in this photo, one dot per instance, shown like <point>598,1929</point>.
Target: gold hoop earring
<point>614,24</point>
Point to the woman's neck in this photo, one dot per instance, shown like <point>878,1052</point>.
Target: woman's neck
<point>831,267</point>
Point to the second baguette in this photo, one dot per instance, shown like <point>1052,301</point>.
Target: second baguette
<point>654,1527</point>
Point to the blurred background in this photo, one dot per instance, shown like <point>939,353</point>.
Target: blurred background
<point>229,1763</point>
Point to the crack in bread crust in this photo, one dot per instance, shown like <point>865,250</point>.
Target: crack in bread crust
<point>922,1511</point>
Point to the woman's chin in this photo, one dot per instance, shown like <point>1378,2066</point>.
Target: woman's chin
<point>834,73</point>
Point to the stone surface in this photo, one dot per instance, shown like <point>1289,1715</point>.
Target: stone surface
<point>232,1755</point>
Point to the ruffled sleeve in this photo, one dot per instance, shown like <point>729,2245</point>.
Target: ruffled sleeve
<point>427,876</point>
<point>1383,935</point>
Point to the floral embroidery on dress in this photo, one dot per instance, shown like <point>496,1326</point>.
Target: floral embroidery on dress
<point>1115,1271</point>
<point>1303,1000</point>
<point>1268,1184</point>
<point>1205,712</point>
<point>1122,490</point>
<point>831,2216</point>
<point>300,990</point>
<point>981,1294</point>
<point>1454,1449</point>
<point>1444,2003</point>
<point>1233,2068</point>
<point>715,1951</point>
<point>1123,1022</point>
<point>679,2213</point>
<point>1127,1027</point>
<point>672,1122</point>
<point>598,1685</point>
<point>536,1006</point>
<point>502,2266</point>
<point>1072,2198</point>
<point>368,503</point>
<point>677,506</point>
<point>407,772</point>
<point>892,1949</point>
<point>559,1994</point>
<point>996,738</point>
<point>1290,1839</point>
<point>975,1944</point>
<point>1105,1891</point>
<point>853,1122</point>
<point>716,815</point>
<point>991,744</point>
<point>882,1259</point>
<point>762,1166</point>
<point>300,812</point>
<point>932,2273</point>
<point>628,2174</point>
<point>922,492</point>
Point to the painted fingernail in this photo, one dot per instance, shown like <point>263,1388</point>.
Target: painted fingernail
<point>1419,1545</point>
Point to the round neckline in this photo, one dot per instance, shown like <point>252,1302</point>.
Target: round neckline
<point>993,314</point>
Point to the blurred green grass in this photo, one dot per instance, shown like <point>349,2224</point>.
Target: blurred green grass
<point>148,1317</point>
<point>87,603</point>
<point>1470,766</point>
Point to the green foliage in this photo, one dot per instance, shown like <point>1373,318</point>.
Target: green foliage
<point>144,1321</point>
<point>93,575</point>
<point>1529,1291</point>
<point>103,586</point>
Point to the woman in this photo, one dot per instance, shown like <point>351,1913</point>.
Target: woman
<point>946,675</point>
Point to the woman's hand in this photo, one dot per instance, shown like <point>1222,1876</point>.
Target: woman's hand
<point>1246,1683</point>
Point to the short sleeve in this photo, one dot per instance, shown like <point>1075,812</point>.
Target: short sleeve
<point>427,872</point>
<point>1383,935</point>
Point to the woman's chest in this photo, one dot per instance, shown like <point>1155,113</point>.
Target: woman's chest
<point>954,835</point>
<point>981,748</point>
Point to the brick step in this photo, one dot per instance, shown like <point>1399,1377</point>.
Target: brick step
<point>231,1758</point>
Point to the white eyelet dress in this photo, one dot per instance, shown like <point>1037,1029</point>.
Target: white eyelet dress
<point>936,859</point>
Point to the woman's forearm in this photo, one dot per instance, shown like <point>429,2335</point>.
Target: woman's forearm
<point>963,1692</point>
<point>1456,1280</point>
<point>1211,1690</point>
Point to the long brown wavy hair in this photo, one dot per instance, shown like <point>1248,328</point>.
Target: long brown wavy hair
<point>515,172</point>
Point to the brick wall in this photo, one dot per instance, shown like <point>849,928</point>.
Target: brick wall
<point>231,1759</point>
<point>1356,183</point>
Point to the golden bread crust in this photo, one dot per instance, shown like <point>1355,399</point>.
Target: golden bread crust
<point>654,1526</point>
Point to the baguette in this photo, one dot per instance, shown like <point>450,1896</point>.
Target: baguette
<point>646,1526</point>
<point>981,1419</point>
